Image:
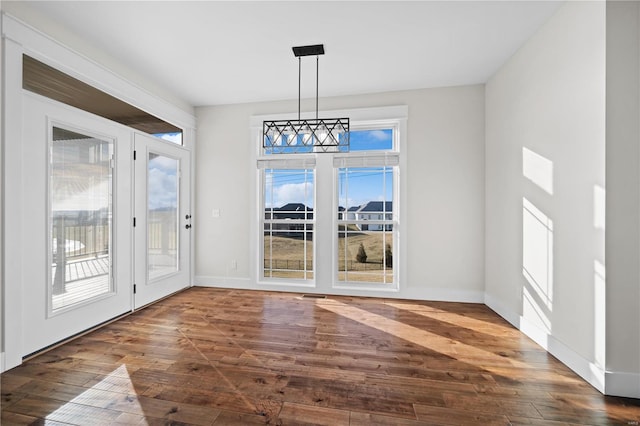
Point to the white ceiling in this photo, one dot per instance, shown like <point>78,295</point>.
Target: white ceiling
<point>215,52</point>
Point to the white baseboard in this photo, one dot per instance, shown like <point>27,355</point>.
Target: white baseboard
<point>500,309</point>
<point>442,295</point>
<point>586,369</point>
<point>223,282</point>
<point>622,384</point>
<point>430,294</point>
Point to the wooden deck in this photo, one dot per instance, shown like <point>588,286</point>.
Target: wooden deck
<point>85,268</point>
<point>86,278</point>
<point>228,357</point>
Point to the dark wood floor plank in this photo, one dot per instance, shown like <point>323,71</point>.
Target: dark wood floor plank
<point>217,399</point>
<point>15,419</point>
<point>10,398</point>
<point>489,405</point>
<point>577,409</point>
<point>232,418</point>
<point>51,373</point>
<point>232,357</point>
<point>299,414</point>
<point>368,419</point>
<point>523,421</point>
<point>455,417</point>
<point>10,382</point>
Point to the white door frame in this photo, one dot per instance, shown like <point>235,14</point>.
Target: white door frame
<point>149,289</point>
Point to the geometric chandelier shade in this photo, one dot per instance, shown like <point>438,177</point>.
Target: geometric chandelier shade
<point>306,135</point>
<point>313,135</point>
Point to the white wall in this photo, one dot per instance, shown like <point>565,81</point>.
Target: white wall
<point>1,207</point>
<point>623,198</point>
<point>545,185</point>
<point>444,177</point>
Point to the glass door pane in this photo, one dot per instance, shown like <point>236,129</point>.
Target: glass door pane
<point>80,215</point>
<point>162,215</point>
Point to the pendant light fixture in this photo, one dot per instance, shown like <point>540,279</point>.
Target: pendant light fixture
<point>306,135</point>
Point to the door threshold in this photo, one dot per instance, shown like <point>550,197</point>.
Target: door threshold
<point>74,336</point>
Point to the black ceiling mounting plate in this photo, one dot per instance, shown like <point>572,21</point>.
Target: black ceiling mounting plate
<point>313,50</point>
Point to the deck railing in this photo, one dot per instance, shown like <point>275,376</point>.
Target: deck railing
<point>79,238</point>
<point>76,237</point>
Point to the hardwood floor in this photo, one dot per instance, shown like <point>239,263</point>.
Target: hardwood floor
<point>213,356</point>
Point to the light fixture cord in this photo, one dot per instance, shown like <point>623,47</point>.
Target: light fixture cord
<point>299,82</point>
<point>317,78</point>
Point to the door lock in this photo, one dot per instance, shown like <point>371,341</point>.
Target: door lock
<point>187,226</point>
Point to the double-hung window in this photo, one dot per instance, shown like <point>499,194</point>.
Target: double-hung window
<point>288,198</point>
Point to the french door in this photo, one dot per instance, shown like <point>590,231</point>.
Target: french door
<point>84,261</point>
<point>162,219</point>
<point>76,207</point>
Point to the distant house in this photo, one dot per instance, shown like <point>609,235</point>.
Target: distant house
<point>293,211</point>
<point>351,213</point>
<point>375,210</point>
<point>290,211</point>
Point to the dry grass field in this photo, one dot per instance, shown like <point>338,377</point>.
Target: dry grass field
<point>286,256</point>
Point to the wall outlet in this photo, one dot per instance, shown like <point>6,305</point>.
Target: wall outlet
<point>215,213</point>
<point>234,265</point>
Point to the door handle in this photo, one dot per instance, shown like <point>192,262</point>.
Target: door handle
<point>188,217</point>
<point>187,226</point>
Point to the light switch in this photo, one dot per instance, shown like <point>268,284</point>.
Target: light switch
<point>215,213</point>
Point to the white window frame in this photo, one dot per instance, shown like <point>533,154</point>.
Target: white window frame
<point>284,162</point>
<point>355,159</point>
<point>325,217</point>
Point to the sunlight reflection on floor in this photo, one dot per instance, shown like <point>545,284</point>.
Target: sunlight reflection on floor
<point>426,339</point>
<point>82,406</point>
<point>449,317</point>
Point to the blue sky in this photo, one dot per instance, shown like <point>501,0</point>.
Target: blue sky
<point>163,189</point>
<point>371,140</point>
<point>355,188</point>
<point>175,137</point>
<point>359,186</point>
<point>163,183</point>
